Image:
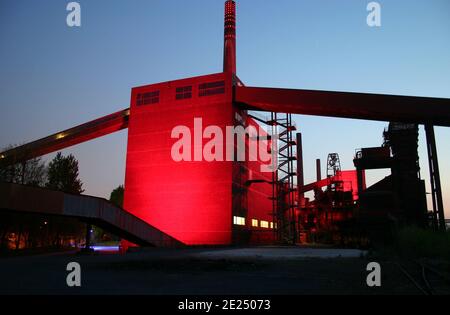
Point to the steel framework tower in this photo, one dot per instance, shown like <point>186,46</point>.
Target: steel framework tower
<point>283,190</point>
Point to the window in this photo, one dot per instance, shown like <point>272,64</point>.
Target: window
<point>147,98</point>
<point>271,225</point>
<point>265,224</point>
<point>212,88</point>
<point>238,220</point>
<point>183,92</point>
<point>255,223</point>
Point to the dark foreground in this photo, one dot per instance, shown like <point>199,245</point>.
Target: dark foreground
<point>256,271</point>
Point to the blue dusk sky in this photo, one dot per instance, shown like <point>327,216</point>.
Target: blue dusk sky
<point>53,77</point>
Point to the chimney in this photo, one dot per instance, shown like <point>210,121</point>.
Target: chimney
<point>300,174</point>
<point>229,50</point>
<point>318,170</point>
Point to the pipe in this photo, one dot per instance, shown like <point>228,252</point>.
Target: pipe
<point>300,173</point>
<point>318,171</point>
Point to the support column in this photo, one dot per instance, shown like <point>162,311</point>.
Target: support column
<point>318,170</point>
<point>435,180</point>
<point>360,180</point>
<point>87,246</point>
<point>300,174</point>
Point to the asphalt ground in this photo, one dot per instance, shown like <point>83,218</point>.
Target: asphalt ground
<point>196,271</point>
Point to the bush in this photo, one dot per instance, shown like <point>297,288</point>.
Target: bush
<point>413,242</point>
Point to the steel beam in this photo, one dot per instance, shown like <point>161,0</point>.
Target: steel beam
<point>61,140</point>
<point>300,173</point>
<point>435,179</point>
<point>319,184</point>
<point>408,109</point>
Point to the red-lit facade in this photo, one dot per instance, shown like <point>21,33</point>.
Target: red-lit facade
<point>196,202</point>
<point>189,200</point>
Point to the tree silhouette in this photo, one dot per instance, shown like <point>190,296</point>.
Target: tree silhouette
<point>63,174</point>
<point>32,172</point>
<point>116,196</point>
<point>36,230</point>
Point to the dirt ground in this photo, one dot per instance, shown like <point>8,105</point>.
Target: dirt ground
<point>239,271</point>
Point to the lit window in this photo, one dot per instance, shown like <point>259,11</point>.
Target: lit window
<point>271,225</point>
<point>238,220</point>
<point>255,223</point>
<point>265,224</point>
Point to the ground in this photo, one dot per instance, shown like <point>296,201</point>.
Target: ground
<point>196,271</point>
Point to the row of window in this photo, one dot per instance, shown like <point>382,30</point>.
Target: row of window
<point>184,92</point>
<point>147,98</point>
<point>255,223</point>
<point>211,88</point>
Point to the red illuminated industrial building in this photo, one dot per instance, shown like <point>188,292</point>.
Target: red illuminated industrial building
<point>173,203</point>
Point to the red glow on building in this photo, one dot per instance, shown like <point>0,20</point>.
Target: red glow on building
<point>196,202</point>
<point>190,201</point>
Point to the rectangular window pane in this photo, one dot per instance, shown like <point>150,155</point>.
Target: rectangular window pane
<point>147,98</point>
<point>238,220</point>
<point>183,92</point>
<point>211,88</point>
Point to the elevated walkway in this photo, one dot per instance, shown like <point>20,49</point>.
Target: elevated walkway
<point>97,211</point>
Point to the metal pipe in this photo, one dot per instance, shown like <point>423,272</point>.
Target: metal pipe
<point>64,139</point>
<point>318,170</point>
<point>408,109</point>
<point>300,173</point>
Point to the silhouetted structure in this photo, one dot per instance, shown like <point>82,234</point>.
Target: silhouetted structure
<point>198,203</point>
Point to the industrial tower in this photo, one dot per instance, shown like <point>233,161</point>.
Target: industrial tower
<point>223,202</point>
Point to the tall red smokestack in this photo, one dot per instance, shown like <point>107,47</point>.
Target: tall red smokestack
<point>229,51</point>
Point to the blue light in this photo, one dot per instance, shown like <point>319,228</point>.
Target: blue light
<point>100,248</point>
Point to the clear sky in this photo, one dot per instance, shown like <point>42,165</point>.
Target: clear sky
<point>53,77</point>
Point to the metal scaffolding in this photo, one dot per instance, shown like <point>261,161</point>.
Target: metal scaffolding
<point>283,186</point>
